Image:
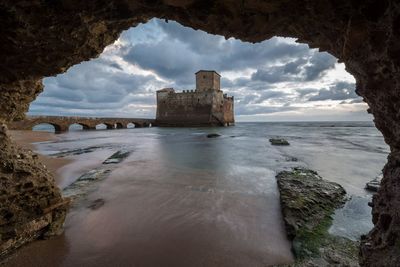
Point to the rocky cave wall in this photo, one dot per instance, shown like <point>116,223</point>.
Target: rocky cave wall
<point>43,38</point>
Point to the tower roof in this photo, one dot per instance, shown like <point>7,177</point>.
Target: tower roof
<point>208,71</point>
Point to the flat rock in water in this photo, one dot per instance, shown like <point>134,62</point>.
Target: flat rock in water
<point>78,151</point>
<point>292,159</point>
<point>117,157</point>
<point>278,142</point>
<point>213,135</point>
<point>93,175</point>
<point>373,185</point>
<point>307,203</point>
<point>81,186</point>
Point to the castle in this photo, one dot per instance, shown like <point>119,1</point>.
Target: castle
<point>205,106</point>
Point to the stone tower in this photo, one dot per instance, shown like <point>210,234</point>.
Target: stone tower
<point>205,106</point>
<point>207,80</point>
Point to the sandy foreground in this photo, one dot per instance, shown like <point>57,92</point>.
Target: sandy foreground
<point>153,215</point>
<point>27,139</point>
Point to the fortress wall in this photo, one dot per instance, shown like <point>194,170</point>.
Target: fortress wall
<point>182,109</point>
<point>194,108</point>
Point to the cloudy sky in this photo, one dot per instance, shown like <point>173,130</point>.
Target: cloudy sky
<point>276,80</point>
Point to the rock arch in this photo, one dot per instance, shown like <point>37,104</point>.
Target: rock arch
<point>363,34</point>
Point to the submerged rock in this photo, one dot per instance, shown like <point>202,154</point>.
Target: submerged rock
<point>95,204</point>
<point>374,184</point>
<point>213,135</point>
<point>307,203</point>
<point>82,185</point>
<point>117,157</point>
<point>292,159</point>
<point>93,175</point>
<point>78,151</point>
<point>278,142</point>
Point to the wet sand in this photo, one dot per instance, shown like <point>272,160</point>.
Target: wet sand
<point>27,139</point>
<point>149,223</point>
<point>158,215</point>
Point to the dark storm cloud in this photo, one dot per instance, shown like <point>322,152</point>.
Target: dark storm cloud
<point>294,67</point>
<point>259,98</point>
<point>274,74</point>
<point>116,65</point>
<point>182,51</point>
<point>306,91</point>
<point>94,83</point>
<point>96,86</point>
<point>170,60</point>
<point>197,41</point>
<point>339,91</point>
<point>320,62</point>
<point>297,70</point>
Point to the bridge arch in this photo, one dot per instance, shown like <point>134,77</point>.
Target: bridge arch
<point>45,126</point>
<point>104,126</point>
<point>76,126</point>
<point>131,125</point>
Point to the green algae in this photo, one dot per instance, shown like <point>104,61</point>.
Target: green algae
<point>308,203</point>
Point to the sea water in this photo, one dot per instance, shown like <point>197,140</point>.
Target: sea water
<point>182,199</point>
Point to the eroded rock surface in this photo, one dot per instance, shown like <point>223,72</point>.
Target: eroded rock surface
<point>44,38</point>
<point>308,202</point>
<point>31,205</point>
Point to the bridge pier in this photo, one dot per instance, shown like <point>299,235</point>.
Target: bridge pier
<point>88,128</point>
<point>60,128</point>
<point>120,125</point>
<point>108,126</point>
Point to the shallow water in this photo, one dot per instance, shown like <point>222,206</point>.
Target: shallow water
<point>181,199</point>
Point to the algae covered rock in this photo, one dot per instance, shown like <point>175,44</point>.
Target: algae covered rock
<point>278,142</point>
<point>307,199</point>
<point>374,184</point>
<point>117,157</point>
<point>307,203</point>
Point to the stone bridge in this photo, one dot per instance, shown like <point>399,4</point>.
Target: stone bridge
<point>62,123</point>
